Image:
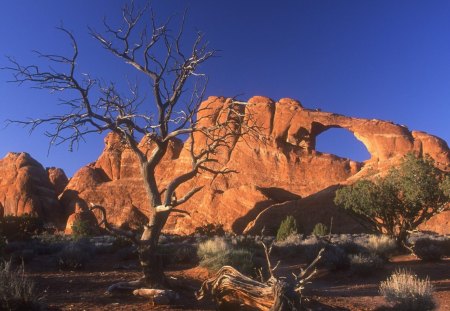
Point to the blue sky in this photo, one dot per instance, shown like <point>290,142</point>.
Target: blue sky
<point>374,59</point>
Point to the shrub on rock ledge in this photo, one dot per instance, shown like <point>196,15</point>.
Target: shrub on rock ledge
<point>287,227</point>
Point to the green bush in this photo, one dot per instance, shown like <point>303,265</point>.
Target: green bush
<point>320,229</point>
<point>408,292</point>
<point>20,227</point>
<point>16,291</point>
<point>287,227</point>
<point>82,229</point>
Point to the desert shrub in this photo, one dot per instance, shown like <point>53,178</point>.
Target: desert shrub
<point>333,258</point>
<point>22,256</point>
<point>75,255</point>
<point>287,227</point>
<point>3,243</point>
<point>240,259</point>
<point>445,244</point>
<point>320,229</point>
<point>20,227</point>
<point>247,242</point>
<point>352,248</point>
<point>289,247</point>
<point>49,244</point>
<point>381,245</point>
<point>365,264</point>
<point>210,230</point>
<point>82,229</point>
<point>408,292</point>
<point>19,251</point>
<point>16,291</point>
<point>429,249</point>
<point>120,242</point>
<point>216,253</point>
<point>178,253</point>
<point>212,247</point>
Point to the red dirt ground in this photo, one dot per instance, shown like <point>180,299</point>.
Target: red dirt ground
<point>84,290</point>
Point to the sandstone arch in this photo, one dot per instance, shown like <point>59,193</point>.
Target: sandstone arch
<point>284,158</point>
<point>341,142</point>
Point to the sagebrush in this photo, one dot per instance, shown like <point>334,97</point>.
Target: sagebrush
<point>216,253</point>
<point>408,292</point>
<point>17,292</point>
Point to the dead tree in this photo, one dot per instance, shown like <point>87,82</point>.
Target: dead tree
<point>159,56</point>
<point>232,290</point>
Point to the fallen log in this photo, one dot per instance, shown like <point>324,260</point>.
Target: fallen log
<point>232,290</point>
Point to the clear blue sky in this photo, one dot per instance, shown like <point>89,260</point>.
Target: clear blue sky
<point>374,59</point>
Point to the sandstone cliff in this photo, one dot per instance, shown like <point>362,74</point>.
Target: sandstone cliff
<point>278,174</point>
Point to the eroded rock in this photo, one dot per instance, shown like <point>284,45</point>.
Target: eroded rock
<point>25,188</point>
<point>282,158</point>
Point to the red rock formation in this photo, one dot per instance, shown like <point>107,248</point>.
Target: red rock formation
<point>280,165</point>
<point>86,219</point>
<point>57,178</point>
<point>25,188</point>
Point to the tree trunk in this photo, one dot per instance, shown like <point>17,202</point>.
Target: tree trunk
<point>149,256</point>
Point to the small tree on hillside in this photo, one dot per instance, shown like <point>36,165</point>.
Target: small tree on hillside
<point>165,66</point>
<point>399,202</point>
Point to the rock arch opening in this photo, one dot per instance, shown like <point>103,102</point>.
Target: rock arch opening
<point>343,143</point>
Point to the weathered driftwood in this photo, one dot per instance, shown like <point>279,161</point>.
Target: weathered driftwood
<point>232,289</point>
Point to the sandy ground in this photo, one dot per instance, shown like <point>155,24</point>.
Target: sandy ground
<point>85,289</point>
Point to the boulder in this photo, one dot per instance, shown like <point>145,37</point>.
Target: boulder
<point>25,188</point>
<point>84,218</point>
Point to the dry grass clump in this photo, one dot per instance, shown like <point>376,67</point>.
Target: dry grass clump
<point>212,247</point>
<point>217,252</point>
<point>16,291</point>
<point>408,292</point>
<point>381,245</point>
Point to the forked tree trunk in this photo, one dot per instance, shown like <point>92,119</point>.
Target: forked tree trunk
<point>149,255</point>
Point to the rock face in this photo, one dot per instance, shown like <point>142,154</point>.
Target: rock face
<point>279,173</point>
<point>25,188</point>
<point>57,178</point>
